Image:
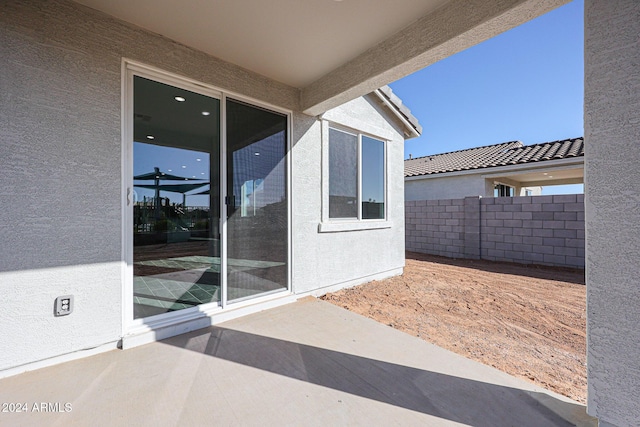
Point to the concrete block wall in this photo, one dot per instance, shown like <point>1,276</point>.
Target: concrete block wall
<point>546,230</point>
<point>435,227</point>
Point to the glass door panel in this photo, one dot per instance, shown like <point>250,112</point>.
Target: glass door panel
<point>176,198</point>
<point>257,218</point>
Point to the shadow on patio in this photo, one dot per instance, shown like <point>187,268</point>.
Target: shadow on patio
<point>306,363</point>
<point>444,396</point>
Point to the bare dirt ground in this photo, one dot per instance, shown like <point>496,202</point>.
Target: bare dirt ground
<point>527,321</point>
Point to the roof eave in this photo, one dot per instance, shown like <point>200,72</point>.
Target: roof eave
<point>411,130</point>
<point>492,170</point>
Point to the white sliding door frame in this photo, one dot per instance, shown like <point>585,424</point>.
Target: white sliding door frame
<point>198,316</point>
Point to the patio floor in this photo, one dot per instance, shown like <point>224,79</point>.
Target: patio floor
<point>307,363</point>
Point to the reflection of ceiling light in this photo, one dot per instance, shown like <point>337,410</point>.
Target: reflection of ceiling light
<point>179,99</point>
<point>205,113</point>
<point>201,173</point>
<point>169,170</point>
<point>197,160</point>
<point>550,176</point>
<point>545,173</point>
<point>184,167</point>
<point>256,154</point>
<point>150,137</point>
<point>193,176</point>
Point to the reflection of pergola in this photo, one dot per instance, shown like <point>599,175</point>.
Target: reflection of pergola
<point>158,176</point>
<point>176,188</point>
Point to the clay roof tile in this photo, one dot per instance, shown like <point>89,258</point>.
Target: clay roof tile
<point>507,153</point>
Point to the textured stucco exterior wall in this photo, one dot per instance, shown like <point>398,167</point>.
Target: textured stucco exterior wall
<point>453,187</point>
<point>347,257</point>
<point>612,188</point>
<point>61,165</point>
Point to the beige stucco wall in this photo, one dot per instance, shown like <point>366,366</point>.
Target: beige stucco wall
<point>447,187</point>
<point>612,188</point>
<point>61,175</point>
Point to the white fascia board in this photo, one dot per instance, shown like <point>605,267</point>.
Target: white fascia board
<point>412,132</point>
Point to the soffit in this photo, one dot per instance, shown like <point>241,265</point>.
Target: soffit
<point>552,175</point>
<point>291,41</point>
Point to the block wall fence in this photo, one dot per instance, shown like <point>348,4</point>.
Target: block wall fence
<point>546,230</point>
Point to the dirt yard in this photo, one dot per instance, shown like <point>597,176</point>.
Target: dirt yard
<point>527,321</point>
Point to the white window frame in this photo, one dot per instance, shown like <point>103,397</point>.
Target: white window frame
<point>332,225</point>
<point>144,330</point>
<point>496,186</point>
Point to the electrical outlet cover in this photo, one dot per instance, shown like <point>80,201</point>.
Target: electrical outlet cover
<point>64,305</point>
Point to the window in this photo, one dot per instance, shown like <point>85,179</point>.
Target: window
<point>356,176</point>
<point>501,190</point>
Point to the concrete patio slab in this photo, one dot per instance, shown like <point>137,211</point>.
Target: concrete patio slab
<point>307,363</point>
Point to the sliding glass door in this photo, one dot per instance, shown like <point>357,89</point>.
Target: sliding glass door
<point>176,206</point>
<point>256,202</point>
<point>179,235</point>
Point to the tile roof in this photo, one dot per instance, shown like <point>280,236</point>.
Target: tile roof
<point>402,109</point>
<point>507,153</point>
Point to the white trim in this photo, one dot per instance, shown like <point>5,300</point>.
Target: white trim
<point>289,172</point>
<point>333,225</point>
<point>373,132</point>
<point>413,132</point>
<point>324,170</point>
<point>345,123</point>
<point>126,165</point>
<point>359,176</point>
<point>352,225</point>
<point>385,183</point>
<point>223,201</point>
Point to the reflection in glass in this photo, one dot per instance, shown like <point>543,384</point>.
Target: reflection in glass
<point>257,201</point>
<point>176,237</point>
<point>343,174</point>
<point>372,178</point>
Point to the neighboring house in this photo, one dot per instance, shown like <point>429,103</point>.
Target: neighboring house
<point>290,91</point>
<point>507,169</point>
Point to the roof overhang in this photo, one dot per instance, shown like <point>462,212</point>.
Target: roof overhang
<point>549,172</point>
<point>412,128</point>
<point>332,51</point>
<point>551,175</point>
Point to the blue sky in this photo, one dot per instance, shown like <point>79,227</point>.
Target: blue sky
<point>525,84</point>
